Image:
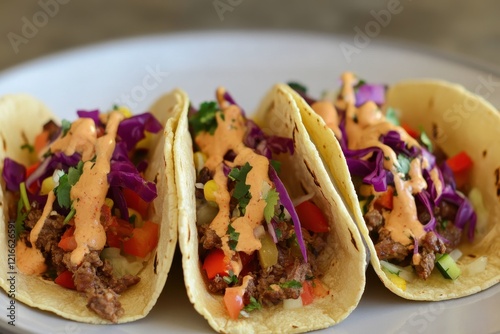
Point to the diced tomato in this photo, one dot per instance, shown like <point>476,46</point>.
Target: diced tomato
<point>460,164</point>
<point>41,140</point>
<point>412,132</point>
<point>215,263</point>
<point>117,231</point>
<point>319,290</point>
<point>311,217</point>
<point>144,239</point>
<point>68,241</point>
<point>65,279</point>
<point>135,202</point>
<point>385,200</point>
<point>307,294</point>
<point>233,299</point>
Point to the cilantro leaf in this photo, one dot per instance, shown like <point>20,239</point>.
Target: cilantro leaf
<point>293,284</point>
<point>425,139</point>
<point>63,192</point>
<point>392,116</point>
<point>205,119</point>
<point>360,83</point>
<point>65,126</point>
<point>75,173</point>
<point>253,305</point>
<point>20,218</point>
<point>297,87</point>
<point>231,279</point>
<point>233,237</point>
<point>241,189</point>
<point>272,198</point>
<point>404,164</point>
<point>28,147</point>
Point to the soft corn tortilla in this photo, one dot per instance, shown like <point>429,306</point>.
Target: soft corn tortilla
<point>46,295</point>
<point>342,262</point>
<point>463,121</point>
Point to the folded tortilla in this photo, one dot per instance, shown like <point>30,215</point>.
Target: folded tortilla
<point>457,120</point>
<point>22,118</point>
<point>342,262</point>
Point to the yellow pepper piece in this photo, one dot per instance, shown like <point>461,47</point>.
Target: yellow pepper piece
<point>268,253</point>
<point>199,160</point>
<point>138,222</point>
<point>209,190</point>
<point>48,185</point>
<point>124,111</point>
<point>145,142</point>
<point>398,281</point>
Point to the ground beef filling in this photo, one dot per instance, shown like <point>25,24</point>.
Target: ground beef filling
<point>430,245</point>
<point>93,277</point>
<point>268,286</point>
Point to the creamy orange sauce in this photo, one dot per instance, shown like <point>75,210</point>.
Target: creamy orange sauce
<point>80,138</point>
<point>229,135</point>
<point>436,180</point>
<point>364,126</point>
<point>29,260</point>
<point>89,193</point>
<point>47,209</point>
<point>326,110</point>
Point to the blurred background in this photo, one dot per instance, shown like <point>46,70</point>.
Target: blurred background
<point>30,29</point>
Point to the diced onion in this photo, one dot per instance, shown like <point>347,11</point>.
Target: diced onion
<point>290,304</point>
<point>404,273</point>
<point>456,254</point>
<point>121,265</point>
<point>199,185</point>
<point>259,231</point>
<point>476,267</point>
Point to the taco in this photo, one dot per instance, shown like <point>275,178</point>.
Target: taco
<point>425,180</point>
<point>89,219</point>
<point>267,244</point>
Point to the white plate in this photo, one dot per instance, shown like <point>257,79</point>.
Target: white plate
<point>247,63</point>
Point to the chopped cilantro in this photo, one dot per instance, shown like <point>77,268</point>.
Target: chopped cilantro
<point>74,173</point>
<point>360,83</point>
<point>253,305</point>
<point>293,284</point>
<point>63,192</point>
<point>279,233</point>
<point>272,198</point>
<point>233,237</point>
<point>65,126</point>
<point>28,147</point>
<point>276,165</point>
<point>425,139</point>
<point>241,189</point>
<point>20,218</point>
<point>205,119</point>
<point>443,224</point>
<point>231,279</point>
<point>281,215</point>
<point>392,116</point>
<point>404,164</point>
<point>115,107</point>
<point>132,219</point>
<point>297,87</point>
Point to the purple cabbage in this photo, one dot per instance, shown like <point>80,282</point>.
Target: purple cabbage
<point>93,114</point>
<point>13,173</point>
<point>287,203</point>
<point>131,130</point>
<point>370,92</point>
<point>264,144</point>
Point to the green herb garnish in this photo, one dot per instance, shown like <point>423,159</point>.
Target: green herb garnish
<point>65,126</point>
<point>253,305</point>
<point>293,284</point>
<point>404,164</point>
<point>241,189</point>
<point>205,119</point>
<point>425,139</point>
<point>271,198</point>
<point>233,237</point>
<point>392,116</point>
<point>297,87</point>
